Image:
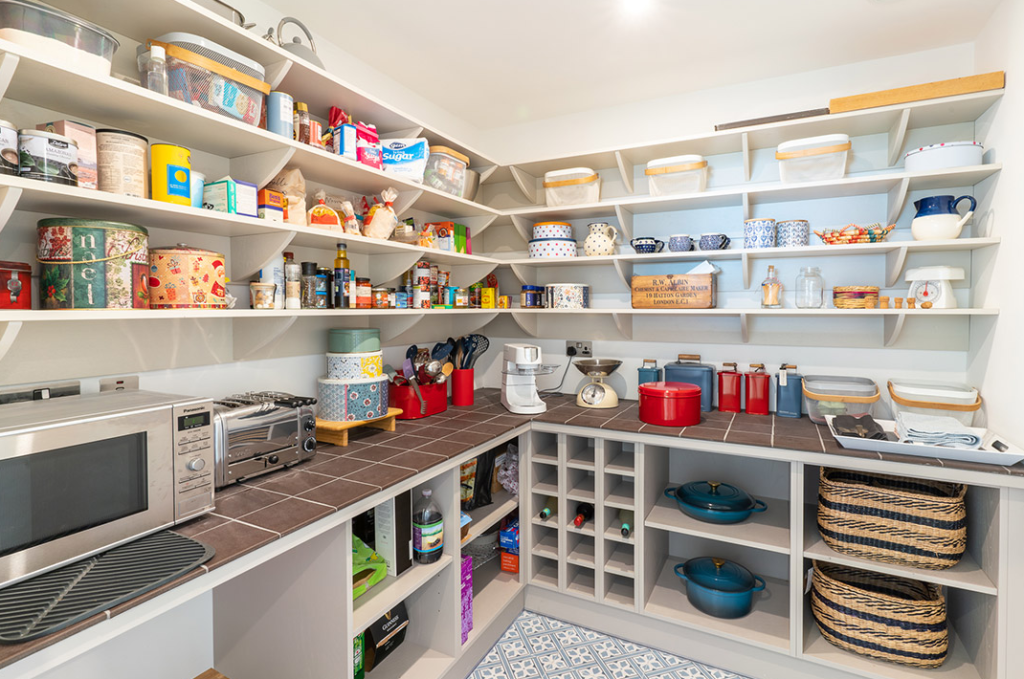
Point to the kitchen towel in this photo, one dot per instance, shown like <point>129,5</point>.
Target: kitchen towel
<point>931,430</point>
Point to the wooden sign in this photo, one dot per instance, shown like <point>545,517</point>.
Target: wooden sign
<point>674,291</point>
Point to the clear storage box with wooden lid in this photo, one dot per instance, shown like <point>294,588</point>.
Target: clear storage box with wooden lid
<point>958,401</point>
<point>677,174</point>
<point>814,158</point>
<point>575,186</point>
<point>830,395</point>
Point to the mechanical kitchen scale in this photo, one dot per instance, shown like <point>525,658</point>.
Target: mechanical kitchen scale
<point>597,394</point>
<point>933,284</point>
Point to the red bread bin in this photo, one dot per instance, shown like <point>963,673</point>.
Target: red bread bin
<point>402,396</point>
<point>670,404</point>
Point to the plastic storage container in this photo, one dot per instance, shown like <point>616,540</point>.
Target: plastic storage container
<point>688,368</point>
<point>403,396</point>
<point>81,46</point>
<point>814,158</point>
<point>677,174</point>
<point>946,400</point>
<point>575,186</point>
<point>670,404</point>
<point>446,170</point>
<point>202,73</point>
<point>827,395</point>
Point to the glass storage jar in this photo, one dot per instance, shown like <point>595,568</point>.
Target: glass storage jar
<point>810,288</point>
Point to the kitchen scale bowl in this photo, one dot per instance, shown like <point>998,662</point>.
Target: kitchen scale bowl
<point>597,367</point>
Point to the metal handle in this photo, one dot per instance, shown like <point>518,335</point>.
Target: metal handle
<point>293,20</point>
<point>758,588</point>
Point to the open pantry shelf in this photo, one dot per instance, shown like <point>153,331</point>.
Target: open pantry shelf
<point>620,560</point>
<point>619,592</point>
<point>582,554</point>
<point>547,487</point>
<point>545,574</point>
<point>768,530</point>
<point>546,546</point>
<point>493,589</point>
<point>581,459</point>
<point>614,532</point>
<point>580,582</point>
<point>550,522</point>
<point>585,529</point>
<point>622,463</point>
<point>502,504</point>
<point>582,490</point>
<point>390,591</point>
<point>546,456</point>
<point>622,494</point>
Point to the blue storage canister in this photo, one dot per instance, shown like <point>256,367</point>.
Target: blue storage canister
<point>789,387</point>
<point>280,114</point>
<point>689,369</point>
<point>649,371</point>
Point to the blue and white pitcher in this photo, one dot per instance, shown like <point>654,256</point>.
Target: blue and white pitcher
<point>937,218</point>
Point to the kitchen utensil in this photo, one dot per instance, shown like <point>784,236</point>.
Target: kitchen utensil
<point>411,352</point>
<point>670,404</point>
<point>934,284</point>
<point>690,370</point>
<point>937,217</point>
<point>719,587</point>
<point>390,372</point>
<point>414,383</point>
<point>645,245</point>
<point>441,351</point>
<point>713,241</point>
<point>714,502</point>
<point>482,345</point>
<point>432,370</point>
<point>601,240</point>
<point>522,364</point>
<point>469,346</point>
<point>597,394</point>
<point>446,371</point>
<point>295,46</point>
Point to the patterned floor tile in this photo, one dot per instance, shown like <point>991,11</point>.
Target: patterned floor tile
<point>538,647</point>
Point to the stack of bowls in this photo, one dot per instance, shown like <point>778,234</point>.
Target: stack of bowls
<point>552,240</point>
<point>355,387</point>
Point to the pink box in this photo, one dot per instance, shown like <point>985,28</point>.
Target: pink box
<point>467,596</point>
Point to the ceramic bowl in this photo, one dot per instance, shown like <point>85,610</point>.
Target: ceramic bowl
<point>552,230</point>
<point>552,248</point>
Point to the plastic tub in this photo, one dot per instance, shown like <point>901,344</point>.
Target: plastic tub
<point>828,395</point>
<point>575,186</point>
<point>814,158</point>
<point>81,46</point>
<point>940,156</point>
<point>446,170</point>
<point>677,174</point>
<point>947,400</point>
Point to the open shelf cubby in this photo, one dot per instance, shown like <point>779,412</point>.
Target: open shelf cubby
<point>580,453</point>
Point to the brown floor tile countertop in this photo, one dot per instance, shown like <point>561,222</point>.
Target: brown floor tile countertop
<point>250,515</point>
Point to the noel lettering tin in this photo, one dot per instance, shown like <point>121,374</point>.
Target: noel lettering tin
<point>92,264</point>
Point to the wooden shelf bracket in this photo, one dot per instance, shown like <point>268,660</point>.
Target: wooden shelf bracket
<point>625,218</point>
<point>624,322</point>
<point>485,172</point>
<point>894,328</point>
<point>8,65</point>
<point>248,344</point>
<point>260,168</point>
<point>465,274</point>
<point>526,182</point>
<point>527,322</point>
<point>275,73</point>
<point>523,226</point>
<point>895,260</point>
<point>478,321</point>
<point>746,206</point>
<point>625,270</point>
<point>405,201</point>
<point>9,197</point>
<point>626,168</point>
<point>390,266</point>
<point>10,333</point>
<point>251,253</point>
<point>897,198</point>
<point>394,326</point>
<point>897,135</point>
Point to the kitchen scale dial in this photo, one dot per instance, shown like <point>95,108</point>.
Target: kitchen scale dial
<point>934,284</point>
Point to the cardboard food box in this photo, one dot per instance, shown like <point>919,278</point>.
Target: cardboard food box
<point>466,588</point>
<point>384,636</point>
<point>270,205</point>
<point>246,202</point>
<point>674,291</point>
<point>393,532</point>
<point>85,136</point>
<point>509,562</point>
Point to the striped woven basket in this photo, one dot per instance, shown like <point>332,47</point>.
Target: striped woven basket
<point>880,616</point>
<point>909,522</point>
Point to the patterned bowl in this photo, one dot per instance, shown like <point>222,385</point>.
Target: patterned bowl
<point>552,248</point>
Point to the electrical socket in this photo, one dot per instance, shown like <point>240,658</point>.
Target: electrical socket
<point>583,349</point>
<point>125,383</point>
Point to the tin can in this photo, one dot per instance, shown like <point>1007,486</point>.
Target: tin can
<point>475,296</point>
<point>121,162</point>
<point>48,156</point>
<point>186,278</point>
<point>443,278</point>
<point>279,114</point>
<point>196,187</point>
<point>15,285</point>
<point>505,302</point>
<point>171,167</point>
<point>433,276</point>
<point>316,133</point>
<point>401,300</point>
<point>9,160</point>
<point>420,297</point>
<point>461,298</point>
<point>488,298</point>
<point>421,275</point>
<point>380,298</point>
<point>531,297</point>
<point>92,264</point>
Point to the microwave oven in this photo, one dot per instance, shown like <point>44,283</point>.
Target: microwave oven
<point>82,474</point>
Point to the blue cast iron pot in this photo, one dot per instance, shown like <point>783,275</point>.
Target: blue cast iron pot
<point>714,502</point>
<point>719,587</point>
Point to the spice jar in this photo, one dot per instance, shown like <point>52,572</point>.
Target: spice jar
<point>476,296</point>
<point>531,297</point>
<point>323,288</point>
<point>309,285</point>
<point>380,299</point>
<point>292,282</point>
<point>461,298</point>
<point>364,293</point>
<point>300,121</point>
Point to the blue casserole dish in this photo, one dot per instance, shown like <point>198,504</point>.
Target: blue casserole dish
<point>714,502</point>
<point>719,587</point>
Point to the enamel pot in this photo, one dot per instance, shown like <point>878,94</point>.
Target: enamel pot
<point>719,587</point>
<point>714,502</point>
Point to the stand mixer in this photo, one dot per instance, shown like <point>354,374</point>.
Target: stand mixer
<point>597,394</point>
<point>519,379</point>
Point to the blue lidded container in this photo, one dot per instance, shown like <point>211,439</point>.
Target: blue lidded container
<point>789,387</point>
<point>689,369</point>
<point>649,371</point>
<point>719,587</point>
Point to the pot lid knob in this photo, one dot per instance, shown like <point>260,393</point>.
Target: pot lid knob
<point>714,485</point>
<point>718,562</point>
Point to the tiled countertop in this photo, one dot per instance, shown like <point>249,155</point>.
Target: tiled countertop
<point>250,515</point>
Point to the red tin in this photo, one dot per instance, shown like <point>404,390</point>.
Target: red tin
<point>15,285</point>
<point>730,389</point>
<point>402,396</point>
<point>759,385</point>
<point>670,404</point>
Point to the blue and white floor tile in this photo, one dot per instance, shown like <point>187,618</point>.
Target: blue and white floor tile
<point>538,647</point>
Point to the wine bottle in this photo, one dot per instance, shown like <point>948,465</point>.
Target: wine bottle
<point>626,517</point>
<point>550,508</point>
<point>584,513</point>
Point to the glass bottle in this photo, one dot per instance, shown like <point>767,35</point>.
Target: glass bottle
<point>154,70</point>
<point>292,282</point>
<point>771,290</point>
<point>427,529</point>
<point>309,285</point>
<point>300,123</point>
<point>810,288</point>
<point>341,267</point>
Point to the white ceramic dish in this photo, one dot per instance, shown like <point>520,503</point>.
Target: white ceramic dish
<point>948,154</point>
<point>987,454</point>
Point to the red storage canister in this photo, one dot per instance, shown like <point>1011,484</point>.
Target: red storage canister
<point>759,385</point>
<point>730,389</point>
<point>670,404</point>
<point>15,285</point>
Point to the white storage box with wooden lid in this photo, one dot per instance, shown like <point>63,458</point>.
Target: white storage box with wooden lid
<point>814,158</point>
<point>677,174</point>
<point>575,186</point>
<point>958,401</point>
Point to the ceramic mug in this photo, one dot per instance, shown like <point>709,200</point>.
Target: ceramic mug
<point>758,233</point>
<point>793,233</point>
<point>646,245</point>
<point>680,242</point>
<point>713,241</point>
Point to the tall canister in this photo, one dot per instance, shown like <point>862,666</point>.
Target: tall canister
<point>92,264</point>
<point>649,372</point>
<point>758,384</point>
<point>730,389</point>
<point>172,166</point>
<point>121,163</point>
<point>789,390</point>
<point>689,369</point>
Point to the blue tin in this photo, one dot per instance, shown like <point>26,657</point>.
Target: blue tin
<point>280,114</point>
<point>689,369</point>
<point>789,388</point>
<point>649,372</point>
<point>401,300</point>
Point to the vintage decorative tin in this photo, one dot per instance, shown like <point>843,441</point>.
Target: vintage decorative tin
<point>355,366</point>
<point>15,285</point>
<point>352,400</point>
<point>186,278</point>
<point>92,264</point>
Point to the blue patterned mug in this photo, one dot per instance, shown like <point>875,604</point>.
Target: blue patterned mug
<point>713,241</point>
<point>758,233</point>
<point>794,233</point>
<point>646,245</point>
<point>680,242</point>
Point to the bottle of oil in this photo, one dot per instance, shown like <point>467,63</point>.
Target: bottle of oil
<point>341,269</point>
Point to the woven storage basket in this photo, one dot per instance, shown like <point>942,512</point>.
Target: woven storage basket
<point>880,616</point>
<point>854,296</point>
<point>909,522</point>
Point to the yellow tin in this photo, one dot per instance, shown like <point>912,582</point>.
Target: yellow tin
<point>172,166</point>
<point>488,298</point>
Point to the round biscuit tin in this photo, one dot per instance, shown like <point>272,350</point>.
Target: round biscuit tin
<point>186,278</point>
<point>352,400</point>
<point>9,159</point>
<point>361,366</point>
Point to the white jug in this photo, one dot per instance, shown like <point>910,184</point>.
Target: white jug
<point>601,240</point>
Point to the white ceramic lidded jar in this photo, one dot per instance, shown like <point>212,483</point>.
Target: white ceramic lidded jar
<point>601,240</point>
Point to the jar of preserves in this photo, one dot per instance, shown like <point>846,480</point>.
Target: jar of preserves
<point>380,299</point>
<point>461,298</point>
<point>364,293</point>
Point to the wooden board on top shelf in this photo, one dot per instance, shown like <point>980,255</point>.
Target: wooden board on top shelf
<point>934,90</point>
<point>674,291</point>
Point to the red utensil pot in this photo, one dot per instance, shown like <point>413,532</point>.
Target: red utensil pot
<point>759,385</point>
<point>730,389</point>
<point>402,396</point>
<point>670,404</point>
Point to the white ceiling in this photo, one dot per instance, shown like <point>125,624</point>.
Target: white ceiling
<point>499,62</point>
